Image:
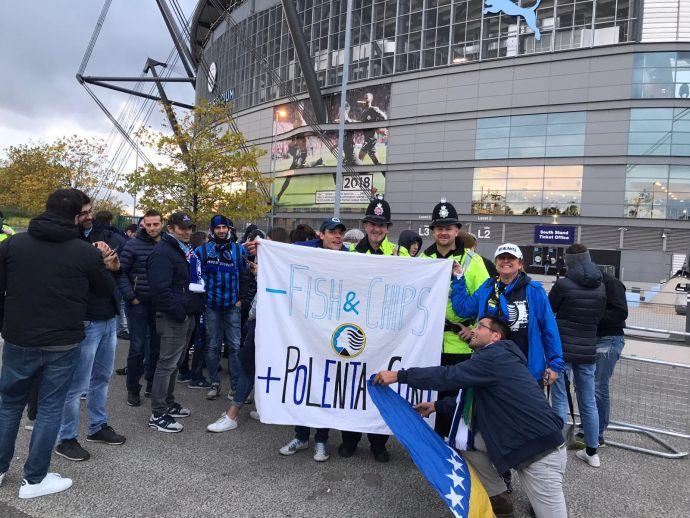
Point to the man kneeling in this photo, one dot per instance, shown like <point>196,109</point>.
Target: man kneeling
<point>504,422</point>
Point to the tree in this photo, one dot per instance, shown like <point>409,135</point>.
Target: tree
<point>30,172</point>
<point>215,174</point>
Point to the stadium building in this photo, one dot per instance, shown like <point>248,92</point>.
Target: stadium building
<point>544,123</point>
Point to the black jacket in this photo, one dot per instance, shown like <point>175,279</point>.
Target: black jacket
<point>512,414</point>
<point>104,308</point>
<point>616,312</point>
<point>168,274</point>
<point>46,277</point>
<point>578,301</point>
<point>134,279</point>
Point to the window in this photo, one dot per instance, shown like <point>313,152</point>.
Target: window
<point>525,136</point>
<point>659,132</point>
<point>657,191</point>
<point>661,75</point>
<point>530,191</point>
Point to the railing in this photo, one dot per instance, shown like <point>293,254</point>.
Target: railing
<point>651,398</point>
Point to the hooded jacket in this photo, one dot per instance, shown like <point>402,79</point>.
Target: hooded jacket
<point>512,413</point>
<point>134,277</point>
<point>46,277</point>
<point>544,343</point>
<point>407,237</point>
<point>168,273</point>
<point>476,274</point>
<point>578,301</point>
<point>616,312</point>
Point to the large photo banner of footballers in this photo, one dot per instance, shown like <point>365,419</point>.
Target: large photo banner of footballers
<point>366,146</point>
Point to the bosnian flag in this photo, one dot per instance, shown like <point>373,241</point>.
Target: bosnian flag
<point>443,467</point>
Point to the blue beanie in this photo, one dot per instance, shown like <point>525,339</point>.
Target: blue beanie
<point>220,220</point>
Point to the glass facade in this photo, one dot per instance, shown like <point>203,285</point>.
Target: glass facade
<point>659,75</point>
<point>523,136</point>
<point>391,36</point>
<point>657,191</point>
<point>659,132</point>
<point>531,191</point>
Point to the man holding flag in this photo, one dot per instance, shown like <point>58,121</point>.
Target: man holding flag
<point>501,419</point>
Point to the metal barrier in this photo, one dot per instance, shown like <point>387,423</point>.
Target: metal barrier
<point>655,318</point>
<point>651,398</point>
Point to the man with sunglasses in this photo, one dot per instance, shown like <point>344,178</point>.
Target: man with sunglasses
<point>511,425</point>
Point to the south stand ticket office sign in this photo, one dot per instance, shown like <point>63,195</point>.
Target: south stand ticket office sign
<point>554,235</point>
<point>328,320</point>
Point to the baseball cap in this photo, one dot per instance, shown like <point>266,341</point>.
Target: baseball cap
<point>509,248</point>
<point>332,224</point>
<point>181,219</point>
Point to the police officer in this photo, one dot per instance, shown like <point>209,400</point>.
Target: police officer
<point>377,221</point>
<point>5,230</point>
<point>447,244</point>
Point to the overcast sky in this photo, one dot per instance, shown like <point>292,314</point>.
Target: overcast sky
<point>41,47</point>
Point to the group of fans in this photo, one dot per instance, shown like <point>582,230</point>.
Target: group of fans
<point>508,347</point>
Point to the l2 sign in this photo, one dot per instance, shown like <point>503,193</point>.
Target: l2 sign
<point>554,234</point>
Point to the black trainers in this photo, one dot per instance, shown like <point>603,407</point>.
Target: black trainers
<point>121,371</point>
<point>381,455</point>
<point>133,398</point>
<point>165,423</point>
<point>184,378</point>
<point>106,435</point>
<point>177,410</point>
<point>346,450</point>
<point>148,389</point>
<point>72,450</point>
<point>123,335</point>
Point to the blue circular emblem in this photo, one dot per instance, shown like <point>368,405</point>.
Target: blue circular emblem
<point>348,340</point>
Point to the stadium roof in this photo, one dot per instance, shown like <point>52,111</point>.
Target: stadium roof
<point>206,15</point>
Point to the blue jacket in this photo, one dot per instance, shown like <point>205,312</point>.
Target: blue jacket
<point>168,274</point>
<point>134,279</point>
<point>544,341</point>
<point>221,266</point>
<point>511,412</point>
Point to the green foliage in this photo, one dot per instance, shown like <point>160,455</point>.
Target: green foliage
<point>214,175</point>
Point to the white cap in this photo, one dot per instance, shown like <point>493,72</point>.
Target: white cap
<point>509,248</point>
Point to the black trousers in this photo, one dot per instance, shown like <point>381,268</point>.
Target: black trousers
<point>443,422</point>
<point>376,440</point>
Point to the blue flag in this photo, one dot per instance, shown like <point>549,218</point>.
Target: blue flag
<point>443,467</point>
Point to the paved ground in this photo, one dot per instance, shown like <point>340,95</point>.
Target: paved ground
<point>240,473</point>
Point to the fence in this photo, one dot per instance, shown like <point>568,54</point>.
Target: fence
<point>651,398</point>
<point>654,317</point>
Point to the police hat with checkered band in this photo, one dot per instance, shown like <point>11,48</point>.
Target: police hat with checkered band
<point>444,215</point>
<point>378,212</point>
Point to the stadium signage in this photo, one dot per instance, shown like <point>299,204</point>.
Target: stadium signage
<point>554,235</point>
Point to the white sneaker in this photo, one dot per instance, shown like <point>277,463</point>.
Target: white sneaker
<point>321,453</point>
<point>29,427</point>
<point>255,415</point>
<point>293,446</point>
<point>223,424</point>
<point>2,476</point>
<point>592,460</point>
<point>52,483</point>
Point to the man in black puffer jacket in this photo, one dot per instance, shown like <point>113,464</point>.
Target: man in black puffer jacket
<point>134,286</point>
<point>46,277</point>
<point>578,301</point>
<point>177,293</point>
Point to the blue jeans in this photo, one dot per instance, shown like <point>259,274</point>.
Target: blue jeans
<point>582,376</point>
<point>144,344</point>
<point>245,384</point>
<point>609,349</point>
<point>20,366</point>
<point>122,324</point>
<point>91,376</point>
<point>302,433</point>
<point>223,324</point>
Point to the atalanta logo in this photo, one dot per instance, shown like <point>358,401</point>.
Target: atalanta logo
<point>348,340</point>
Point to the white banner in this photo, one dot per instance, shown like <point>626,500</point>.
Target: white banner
<point>328,320</point>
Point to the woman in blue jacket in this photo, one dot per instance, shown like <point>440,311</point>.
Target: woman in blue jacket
<point>522,303</point>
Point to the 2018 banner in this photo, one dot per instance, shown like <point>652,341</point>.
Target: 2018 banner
<point>328,320</point>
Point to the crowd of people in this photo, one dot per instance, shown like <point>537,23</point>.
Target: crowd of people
<point>509,354</point>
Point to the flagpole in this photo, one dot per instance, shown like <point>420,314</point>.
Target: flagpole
<point>343,100</point>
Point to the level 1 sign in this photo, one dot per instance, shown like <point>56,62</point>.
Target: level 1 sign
<point>554,234</point>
